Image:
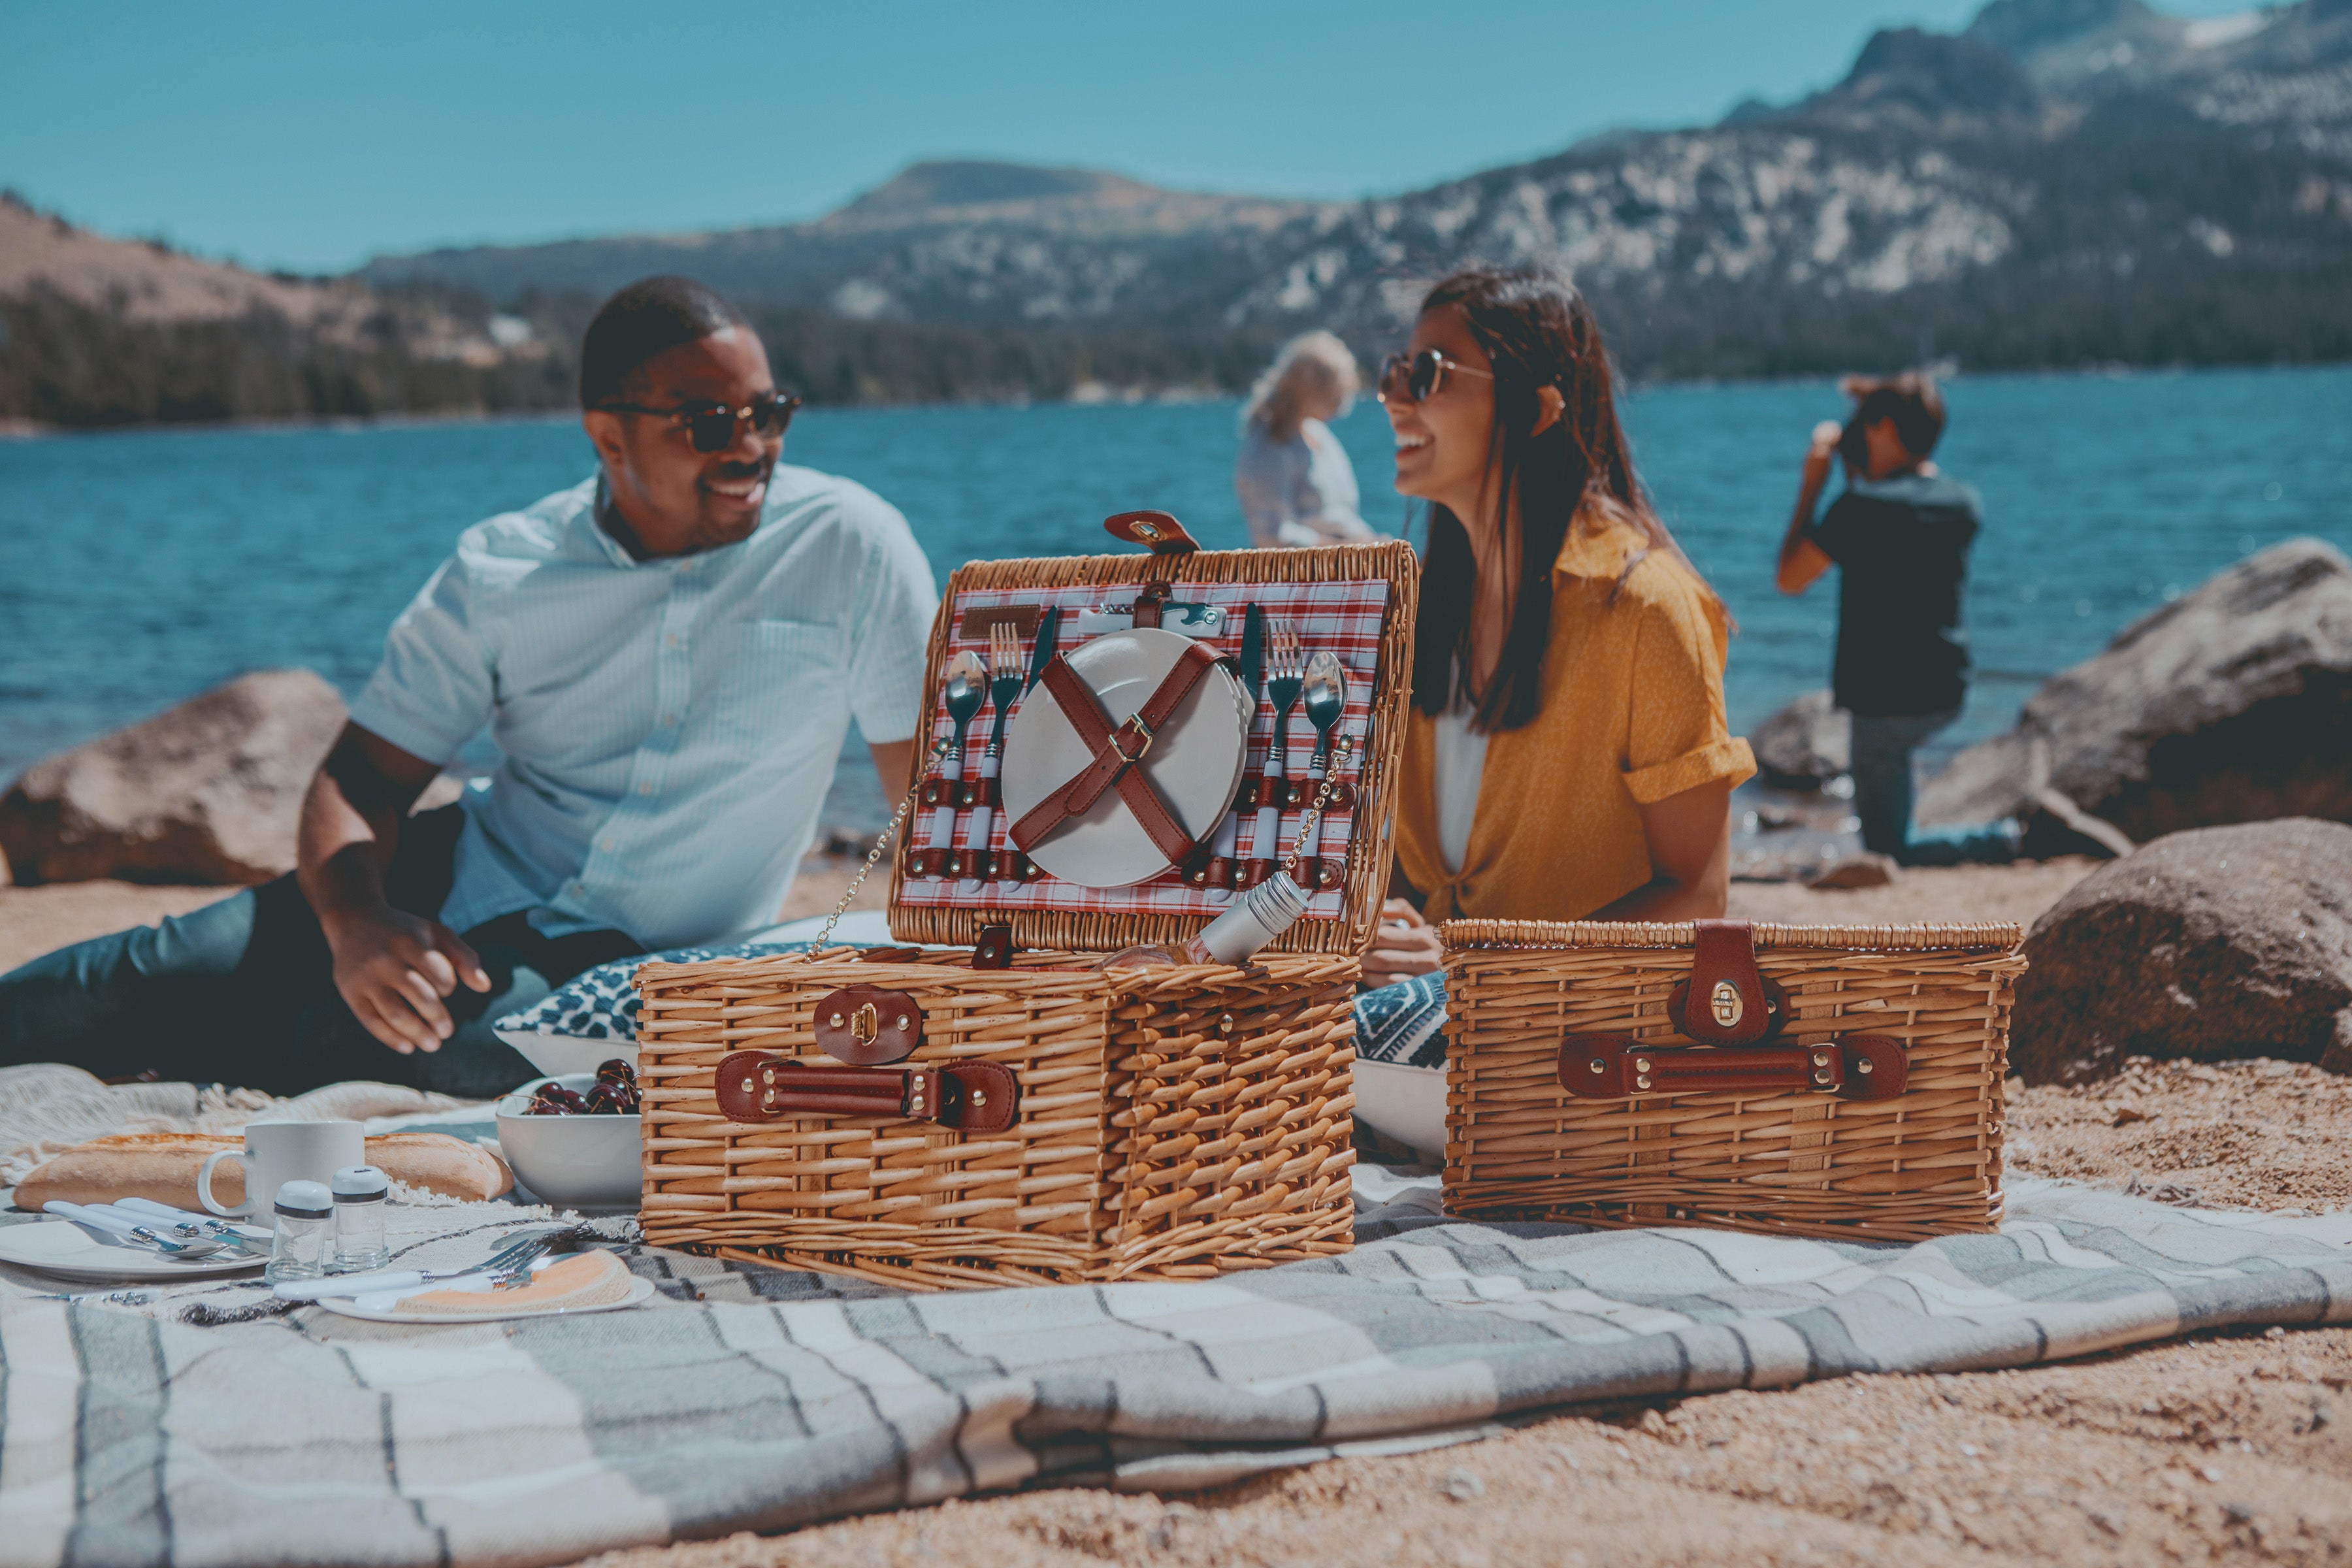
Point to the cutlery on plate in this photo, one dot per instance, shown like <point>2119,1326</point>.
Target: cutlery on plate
<point>1324,694</point>
<point>509,1264</point>
<point>188,1227</point>
<point>1206,622</point>
<point>1003,690</point>
<point>966,688</point>
<point>1284,679</point>
<point>130,1229</point>
<point>1218,873</point>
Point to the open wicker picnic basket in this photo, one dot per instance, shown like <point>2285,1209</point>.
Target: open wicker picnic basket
<point>999,1108</point>
<point>1837,1082</point>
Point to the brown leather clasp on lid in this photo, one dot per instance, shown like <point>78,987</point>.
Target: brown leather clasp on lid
<point>1726,1001</point>
<point>1155,531</point>
<point>1617,1067</point>
<point>994,948</point>
<point>868,1026</point>
<point>970,1097</point>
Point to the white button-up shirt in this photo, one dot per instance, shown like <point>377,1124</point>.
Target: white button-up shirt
<point>669,726</point>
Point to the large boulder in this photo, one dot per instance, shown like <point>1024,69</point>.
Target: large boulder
<point>2230,704</point>
<point>1805,744</point>
<point>2212,945</point>
<point>206,792</point>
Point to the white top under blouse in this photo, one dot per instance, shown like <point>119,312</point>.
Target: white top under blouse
<point>1301,491</point>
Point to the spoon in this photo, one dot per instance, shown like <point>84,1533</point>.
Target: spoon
<point>966,688</point>
<point>1324,699</point>
<point>112,1223</point>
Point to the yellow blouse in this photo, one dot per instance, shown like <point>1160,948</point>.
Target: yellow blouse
<point>1632,713</point>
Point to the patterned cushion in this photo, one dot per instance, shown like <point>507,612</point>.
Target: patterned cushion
<point>1400,1024</point>
<point>602,1005</point>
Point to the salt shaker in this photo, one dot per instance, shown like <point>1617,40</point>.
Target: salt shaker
<point>360,1192</point>
<point>305,1233</point>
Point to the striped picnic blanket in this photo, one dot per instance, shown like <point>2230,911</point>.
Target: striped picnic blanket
<point>759,1399</point>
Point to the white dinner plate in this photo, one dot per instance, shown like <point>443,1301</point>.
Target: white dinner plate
<point>640,1291</point>
<point>1195,762</point>
<point>62,1247</point>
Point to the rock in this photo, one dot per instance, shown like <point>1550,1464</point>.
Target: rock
<point>1865,869</point>
<point>1805,744</point>
<point>2211,945</point>
<point>2231,704</point>
<point>206,792</point>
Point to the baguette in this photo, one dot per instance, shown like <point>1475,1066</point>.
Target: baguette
<point>163,1166</point>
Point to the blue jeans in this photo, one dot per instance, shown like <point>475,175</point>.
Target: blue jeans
<point>1882,798</point>
<point>242,992</point>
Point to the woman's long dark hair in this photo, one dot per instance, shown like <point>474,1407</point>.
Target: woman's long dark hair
<point>1538,331</point>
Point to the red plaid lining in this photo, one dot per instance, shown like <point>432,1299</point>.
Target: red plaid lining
<point>1342,618</point>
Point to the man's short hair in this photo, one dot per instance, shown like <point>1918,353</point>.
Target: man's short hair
<point>651,316</point>
<point>1910,400</point>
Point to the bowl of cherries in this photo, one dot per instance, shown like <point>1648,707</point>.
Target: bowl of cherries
<point>573,1140</point>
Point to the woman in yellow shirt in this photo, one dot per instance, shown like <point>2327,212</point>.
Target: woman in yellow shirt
<point>1568,756</point>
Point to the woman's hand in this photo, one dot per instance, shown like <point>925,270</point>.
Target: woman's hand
<point>1404,946</point>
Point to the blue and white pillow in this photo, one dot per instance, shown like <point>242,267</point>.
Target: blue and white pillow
<point>1400,1025</point>
<point>601,1004</point>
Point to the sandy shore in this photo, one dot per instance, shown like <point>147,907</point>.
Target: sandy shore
<point>2222,1448</point>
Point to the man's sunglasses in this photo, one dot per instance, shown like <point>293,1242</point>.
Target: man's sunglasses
<point>1418,377</point>
<point>711,426</point>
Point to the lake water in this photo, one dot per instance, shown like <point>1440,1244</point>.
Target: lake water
<point>138,569</point>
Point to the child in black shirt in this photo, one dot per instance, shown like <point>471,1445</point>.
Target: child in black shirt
<point>1900,534</point>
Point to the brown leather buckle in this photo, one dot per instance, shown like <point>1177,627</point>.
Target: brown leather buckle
<point>973,1097</point>
<point>1135,723</point>
<point>1618,1066</point>
<point>868,1026</point>
<point>1738,1006</point>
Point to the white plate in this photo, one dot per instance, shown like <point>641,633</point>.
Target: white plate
<point>1195,762</point>
<point>62,1247</point>
<point>640,1291</point>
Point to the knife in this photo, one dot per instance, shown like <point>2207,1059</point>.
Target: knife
<point>1048,625</point>
<point>1252,667</point>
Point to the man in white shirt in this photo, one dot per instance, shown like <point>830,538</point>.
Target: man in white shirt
<point>668,655</point>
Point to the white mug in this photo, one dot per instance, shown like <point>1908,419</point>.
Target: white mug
<point>276,1152</point>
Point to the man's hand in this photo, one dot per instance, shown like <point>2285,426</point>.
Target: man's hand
<point>1823,452</point>
<point>393,969</point>
<point>1404,946</point>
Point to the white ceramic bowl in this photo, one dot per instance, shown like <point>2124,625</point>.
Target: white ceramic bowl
<point>571,1162</point>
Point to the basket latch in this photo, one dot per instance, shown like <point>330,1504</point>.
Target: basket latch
<point>1155,531</point>
<point>968,1096</point>
<point>868,1026</point>
<point>994,948</point>
<point>1618,1066</point>
<point>1727,1001</point>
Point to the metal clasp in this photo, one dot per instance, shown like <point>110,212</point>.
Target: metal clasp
<point>865,1025</point>
<point>1724,1002</point>
<point>1134,721</point>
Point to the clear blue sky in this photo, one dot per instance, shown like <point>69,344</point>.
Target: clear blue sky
<point>310,137</point>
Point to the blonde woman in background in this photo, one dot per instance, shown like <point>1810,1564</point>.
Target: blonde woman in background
<point>1293,476</point>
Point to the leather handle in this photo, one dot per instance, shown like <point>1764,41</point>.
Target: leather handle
<point>1618,1066</point>
<point>970,1097</point>
<point>1155,531</point>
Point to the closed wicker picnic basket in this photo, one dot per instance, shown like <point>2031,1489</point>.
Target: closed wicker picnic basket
<point>1158,1123</point>
<point>1534,1007</point>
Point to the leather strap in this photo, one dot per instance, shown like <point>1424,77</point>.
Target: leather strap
<point>1617,1067</point>
<point>1116,753</point>
<point>1155,531</point>
<point>994,948</point>
<point>968,1096</point>
<point>1736,1005</point>
<point>1150,606</point>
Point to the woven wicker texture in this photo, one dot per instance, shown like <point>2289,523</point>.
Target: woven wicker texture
<point>1174,1122</point>
<point>1368,849</point>
<point>1925,1164</point>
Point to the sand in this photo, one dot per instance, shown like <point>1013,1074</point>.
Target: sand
<point>2222,1448</point>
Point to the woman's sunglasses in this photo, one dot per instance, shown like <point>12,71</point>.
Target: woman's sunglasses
<point>1416,378</point>
<point>711,426</point>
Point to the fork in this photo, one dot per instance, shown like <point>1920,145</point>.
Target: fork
<point>1285,678</point>
<point>508,1266</point>
<point>1004,664</point>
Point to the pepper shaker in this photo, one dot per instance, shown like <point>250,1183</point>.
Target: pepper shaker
<point>359,1194</point>
<point>305,1233</point>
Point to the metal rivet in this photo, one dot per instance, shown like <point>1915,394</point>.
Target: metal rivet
<point>1820,1059</point>
<point>748,1086</point>
<point>1600,1066</point>
<point>1640,1065</point>
<point>767,1075</point>
<point>980,1097</point>
<point>902,1020</point>
<point>1640,1083</point>
<point>1821,1078</point>
<point>1225,1025</point>
<point>837,1020</point>
<point>1863,1066</point>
